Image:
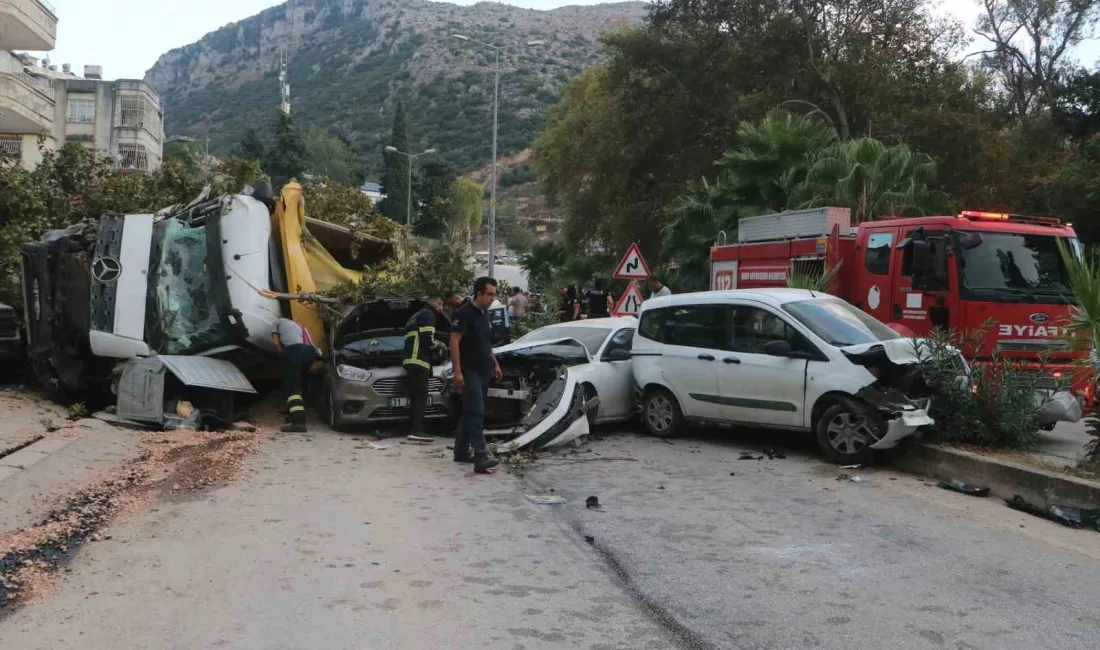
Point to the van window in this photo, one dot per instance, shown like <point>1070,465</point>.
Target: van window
<point>696,326</point>
<point>879,245</point>
<point>754,328</point>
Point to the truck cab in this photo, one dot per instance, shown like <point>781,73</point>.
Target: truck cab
<point>998,275</point>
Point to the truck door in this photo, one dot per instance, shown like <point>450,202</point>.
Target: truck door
<point>922,271</point>
<point>874,289</point>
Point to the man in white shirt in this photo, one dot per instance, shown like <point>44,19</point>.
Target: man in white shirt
<point>657,288</point>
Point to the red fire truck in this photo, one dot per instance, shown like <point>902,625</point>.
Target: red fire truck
<point>1000,274</point>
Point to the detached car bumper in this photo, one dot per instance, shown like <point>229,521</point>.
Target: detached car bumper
<point>901,427</point>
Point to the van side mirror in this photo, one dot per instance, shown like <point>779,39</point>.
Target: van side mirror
<point>779,348</point>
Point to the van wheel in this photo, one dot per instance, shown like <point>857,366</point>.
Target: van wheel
<point>661,413</point>
<point>331,411</point>
<point>845,435</point>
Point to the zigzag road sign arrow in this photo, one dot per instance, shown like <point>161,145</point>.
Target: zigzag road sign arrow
<point>633,266</point>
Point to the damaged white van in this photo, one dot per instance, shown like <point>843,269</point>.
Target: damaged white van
<point>779,358</point>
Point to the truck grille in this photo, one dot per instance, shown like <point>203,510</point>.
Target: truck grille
<point>397,387</point>
<point>1040,380</point>
<point>1029,345</point>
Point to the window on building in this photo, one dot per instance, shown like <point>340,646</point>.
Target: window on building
<point>81,111</point>
<point>133,112</point>
<point>11,146</point>
<point>133,156</point>
<point>879,245</point>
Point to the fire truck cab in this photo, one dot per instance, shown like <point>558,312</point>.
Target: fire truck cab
<point>994,273</point>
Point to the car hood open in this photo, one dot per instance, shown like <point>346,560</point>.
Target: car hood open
<point>900,352</point>
<point>522,346</point>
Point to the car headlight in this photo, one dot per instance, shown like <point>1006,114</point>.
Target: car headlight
<point>352,373</point>
<point>448,372</point>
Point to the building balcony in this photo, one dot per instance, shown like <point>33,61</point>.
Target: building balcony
<point>26,104</point>
<point>27,25</point>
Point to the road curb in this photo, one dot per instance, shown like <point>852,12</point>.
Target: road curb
<point>1004,478</point>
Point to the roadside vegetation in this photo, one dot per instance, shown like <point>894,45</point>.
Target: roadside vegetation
<point>1084,323</point>
<point>994,410</point>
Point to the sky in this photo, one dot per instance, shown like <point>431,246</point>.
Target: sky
<point>127,36</point>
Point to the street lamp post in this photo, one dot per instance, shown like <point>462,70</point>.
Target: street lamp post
<point>409,198</point>
<point>496,104</point>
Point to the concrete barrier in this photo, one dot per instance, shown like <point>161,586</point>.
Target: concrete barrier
<point>1004,478</point>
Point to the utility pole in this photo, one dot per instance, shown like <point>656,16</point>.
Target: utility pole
<point>409,195</point>
<point>496,107</point>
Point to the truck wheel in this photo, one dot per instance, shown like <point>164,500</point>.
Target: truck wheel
<point>845,434</point>
<point>661,413</point>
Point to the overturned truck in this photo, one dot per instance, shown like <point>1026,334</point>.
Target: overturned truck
<point>191,280</point>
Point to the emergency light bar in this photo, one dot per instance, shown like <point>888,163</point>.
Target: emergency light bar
<point>1003,216</point>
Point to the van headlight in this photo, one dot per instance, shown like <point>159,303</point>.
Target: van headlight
<point>352,373</point>
<point>448,372</point>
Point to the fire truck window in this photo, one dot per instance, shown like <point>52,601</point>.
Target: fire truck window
<point>879,245</point>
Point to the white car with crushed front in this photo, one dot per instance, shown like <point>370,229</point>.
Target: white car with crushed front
<point>779,358</point>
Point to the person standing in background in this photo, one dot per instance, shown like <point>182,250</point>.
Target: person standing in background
<point>296,347</point>
<point>599,300</point>
<point>567,310</point>
<point>657,288</point>
<point>517,304</point>
<point>420,344</point>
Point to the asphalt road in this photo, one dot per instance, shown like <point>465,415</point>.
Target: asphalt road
<point>327,543</point>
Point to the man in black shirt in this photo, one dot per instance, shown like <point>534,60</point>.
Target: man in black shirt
<point>474,367</point>
<point>600,302</point>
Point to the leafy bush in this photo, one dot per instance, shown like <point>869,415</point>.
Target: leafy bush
<point>532,321</point>
<point>995,410</point>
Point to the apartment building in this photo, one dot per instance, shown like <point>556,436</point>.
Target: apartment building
<point>43,107</point>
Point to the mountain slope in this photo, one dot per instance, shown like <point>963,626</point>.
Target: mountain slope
<point>351,59</point>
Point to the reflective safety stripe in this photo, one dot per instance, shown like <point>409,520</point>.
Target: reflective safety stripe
<point>426,330</point>
<point>416,362</point>
<point>296,409</point>
<point>407,335</point>
<point>294,398</point>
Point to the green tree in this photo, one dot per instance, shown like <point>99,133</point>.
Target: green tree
<point>333,157</point>
<point>286,158</point>
<point>518,238</point>
<point>465,211</point>
<point>771,162</point>
<point>395,181</point>
<point>542,262</point>
<point>695,221</point>
<point>432,192</point>
<point>873,180</point>
<point>251,146</point>
<point>187,154</point>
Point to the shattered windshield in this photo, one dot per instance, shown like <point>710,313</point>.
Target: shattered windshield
<point>1010,265</point>
<point>839,323</point>
<point>187,317</point>
<point>591,337</point>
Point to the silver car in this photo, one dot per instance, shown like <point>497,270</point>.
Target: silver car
<point>364,384</point>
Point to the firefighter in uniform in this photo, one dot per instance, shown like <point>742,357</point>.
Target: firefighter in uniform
<point>420,344</point>
<point>296,345</point>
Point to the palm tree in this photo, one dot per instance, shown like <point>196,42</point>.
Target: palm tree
<point>872,179</point>
<point>772,159</point>
<point>543,261</point>
<point>1084,319</point>
<point>702,212</point>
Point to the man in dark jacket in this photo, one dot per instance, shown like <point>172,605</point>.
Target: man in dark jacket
<point>420,344</point>
<point>475,365</point>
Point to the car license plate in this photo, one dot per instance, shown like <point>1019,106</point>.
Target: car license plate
<point>402,402</point>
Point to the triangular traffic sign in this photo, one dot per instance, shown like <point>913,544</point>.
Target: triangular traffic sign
<point>630,303</point>
<point>633,266</point>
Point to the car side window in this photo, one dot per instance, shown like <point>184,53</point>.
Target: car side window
<point>754,328</point>
<point>696,326</point>
<point>621,340</point>
<point>879,247</point>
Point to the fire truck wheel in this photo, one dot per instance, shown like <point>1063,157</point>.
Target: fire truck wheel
<point>845,434</point>
<point>661,413</point>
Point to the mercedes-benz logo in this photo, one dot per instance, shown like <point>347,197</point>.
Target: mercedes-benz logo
<point>106,270</point>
